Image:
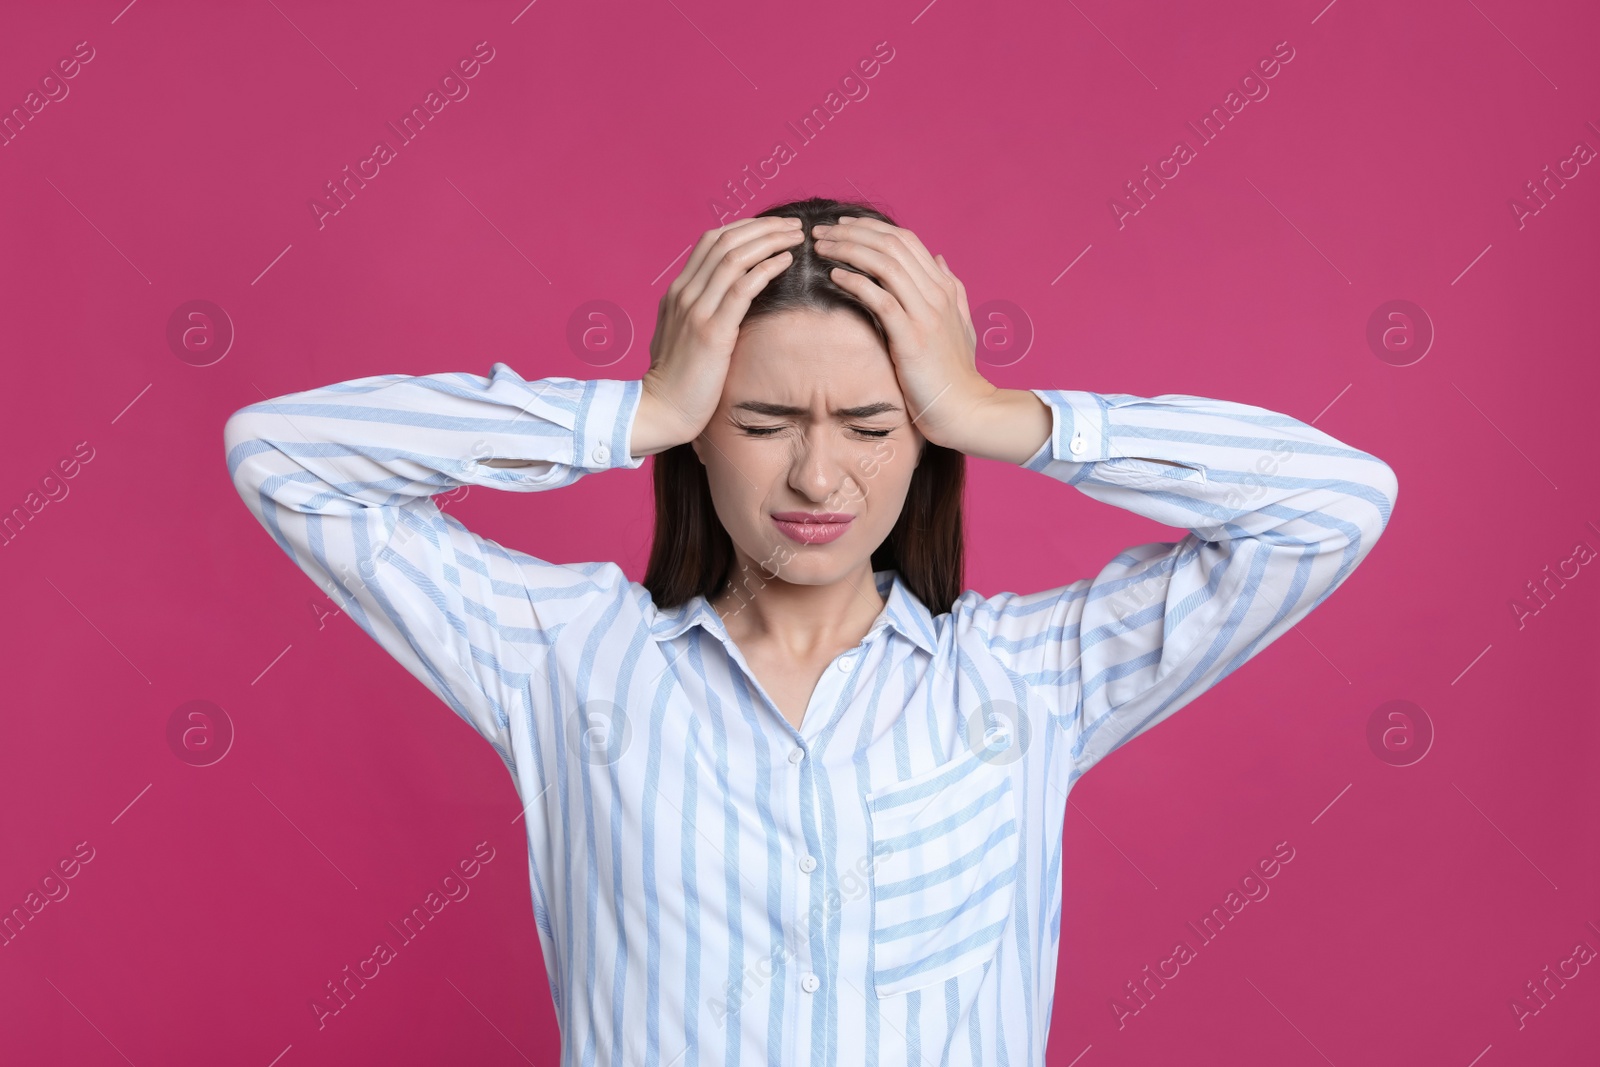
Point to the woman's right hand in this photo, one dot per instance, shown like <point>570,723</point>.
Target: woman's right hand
<point>697,326</point>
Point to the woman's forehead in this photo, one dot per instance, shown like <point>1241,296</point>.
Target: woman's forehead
<point>802,358</point>
<point>819,383</point>
<point>807,329</point>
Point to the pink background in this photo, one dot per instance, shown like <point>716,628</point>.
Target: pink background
<point>586,159</point>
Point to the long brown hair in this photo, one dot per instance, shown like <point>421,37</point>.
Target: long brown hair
<point>692,553</point>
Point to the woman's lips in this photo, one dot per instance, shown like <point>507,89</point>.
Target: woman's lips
<point>809,529</point>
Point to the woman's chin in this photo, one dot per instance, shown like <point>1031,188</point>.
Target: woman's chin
<point>823,564</point>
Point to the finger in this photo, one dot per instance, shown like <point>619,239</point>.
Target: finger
<point>887,259</point>
<point>892,241</point>
<point>910,239</point>
<point>697,254</point>
<point>703,246</point>
<point>736,262</point>
<point>944,265</point>
<point>732,253</point>
<point>736,300</point>
<point>961,291</point>
<point>880,301</point>
<point>911,242</point>
<point>713,245</point>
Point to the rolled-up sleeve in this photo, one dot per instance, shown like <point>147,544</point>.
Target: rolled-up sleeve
<point>1278,512</point>
<point>343,478</point>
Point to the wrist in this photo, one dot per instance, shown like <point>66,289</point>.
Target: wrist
<point>657,424</point>
<point>1006,425</point>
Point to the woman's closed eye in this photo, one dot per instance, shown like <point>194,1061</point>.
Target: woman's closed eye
<point>768,431</point>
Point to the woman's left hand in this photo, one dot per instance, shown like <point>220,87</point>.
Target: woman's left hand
<point>923,308</point>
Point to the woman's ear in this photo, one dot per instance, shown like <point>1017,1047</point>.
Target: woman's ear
<point>695,444</point>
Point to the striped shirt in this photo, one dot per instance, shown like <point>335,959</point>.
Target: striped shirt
<point>711,885</point>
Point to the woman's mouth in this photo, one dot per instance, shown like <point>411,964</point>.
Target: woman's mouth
<point>812,529</point>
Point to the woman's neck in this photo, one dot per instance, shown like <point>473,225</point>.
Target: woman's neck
<point>802,620</point>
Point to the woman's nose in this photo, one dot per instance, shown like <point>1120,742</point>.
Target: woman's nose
<point>820,468</point>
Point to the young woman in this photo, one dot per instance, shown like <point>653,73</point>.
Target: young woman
<point>798,797</point>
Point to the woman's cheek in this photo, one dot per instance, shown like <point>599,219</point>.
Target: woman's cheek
<point>851,492</point>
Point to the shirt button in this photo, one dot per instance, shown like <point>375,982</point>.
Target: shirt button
<point>1077,445</point>
<point>797,755</point>
<point>847,662</point>
<point>601,453</point>
<point>808,864</point>
<point>810,983</point>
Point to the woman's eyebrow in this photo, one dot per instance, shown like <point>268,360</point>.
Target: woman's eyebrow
<point>763,407</point>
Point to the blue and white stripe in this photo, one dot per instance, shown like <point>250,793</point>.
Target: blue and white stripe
<point>712,886</point>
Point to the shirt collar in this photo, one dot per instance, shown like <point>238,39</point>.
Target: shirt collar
<point>902,612</point>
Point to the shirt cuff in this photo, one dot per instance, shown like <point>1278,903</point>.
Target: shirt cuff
<point>607,425</point>
<point>1077,428</point>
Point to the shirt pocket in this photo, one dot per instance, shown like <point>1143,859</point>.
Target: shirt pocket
<point>945,847</point>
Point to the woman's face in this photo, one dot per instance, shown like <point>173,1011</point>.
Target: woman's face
<point>811,427</point>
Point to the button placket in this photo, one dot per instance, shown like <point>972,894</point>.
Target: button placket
<point>806,891</point>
